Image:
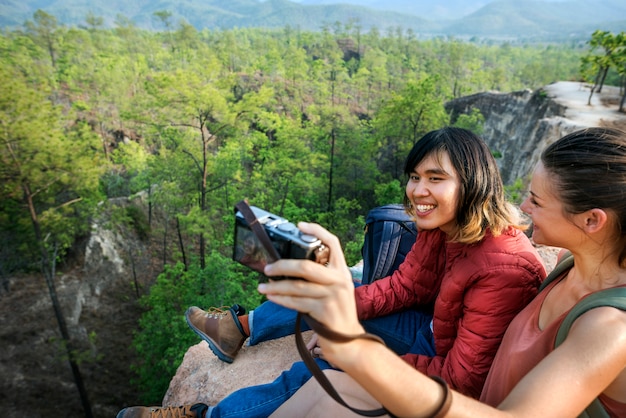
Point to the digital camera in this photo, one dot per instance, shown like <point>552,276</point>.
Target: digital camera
<point>286,238</point>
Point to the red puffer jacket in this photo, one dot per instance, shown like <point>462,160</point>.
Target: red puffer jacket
<point>476,290</point>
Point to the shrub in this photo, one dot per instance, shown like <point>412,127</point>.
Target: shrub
<point>164,335</point>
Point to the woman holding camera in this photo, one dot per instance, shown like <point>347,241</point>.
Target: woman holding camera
<point>576,202</point>
<point>446,308</point>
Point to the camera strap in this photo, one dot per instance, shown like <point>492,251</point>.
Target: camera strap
<point>319,375</point>
<point>258,230</point>
<point>315,325</point>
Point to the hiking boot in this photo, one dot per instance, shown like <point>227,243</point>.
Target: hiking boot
<point>238,309</point>
<point>220,328</point>
<point>187,411</point>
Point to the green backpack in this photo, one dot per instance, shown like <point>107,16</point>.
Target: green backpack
<point>615,297</point>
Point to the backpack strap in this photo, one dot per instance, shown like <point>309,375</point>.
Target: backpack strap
<point>388,247</point>
<point>615,297</point>
<point>565,263</point>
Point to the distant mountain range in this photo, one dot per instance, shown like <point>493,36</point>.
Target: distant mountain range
<point>540,20</point>
<point>428,9</point>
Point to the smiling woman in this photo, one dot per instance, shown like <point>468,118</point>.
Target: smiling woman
<point>453,176</point>
<point>433,187</point>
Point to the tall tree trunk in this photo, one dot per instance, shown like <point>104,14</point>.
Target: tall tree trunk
<point>201,237</point>
<point>203,187</point>
<point>604,73</point>
<point>165,223</point>
<point>180,243</point>
<point>595,84</point>
<point>150,204</point>
<point>48,267</point>
<point>105,148</point>
<point>131,257</point>
<point>203,193</point>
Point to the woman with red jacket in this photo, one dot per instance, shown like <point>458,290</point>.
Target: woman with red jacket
<point>446,308</point>
<point>471,267</point>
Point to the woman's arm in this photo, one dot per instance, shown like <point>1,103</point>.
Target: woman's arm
<point>565,382</point>
<point>415,282</point>
<point>562,385</point>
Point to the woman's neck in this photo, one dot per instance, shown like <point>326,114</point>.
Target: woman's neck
<point>596,269</point>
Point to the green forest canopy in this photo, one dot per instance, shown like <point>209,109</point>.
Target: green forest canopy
<point>308,125</point>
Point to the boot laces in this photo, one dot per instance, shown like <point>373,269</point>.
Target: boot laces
<point>173,412</point>
<point>217,313</point>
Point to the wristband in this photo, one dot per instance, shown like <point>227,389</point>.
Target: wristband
<point>444,407</point>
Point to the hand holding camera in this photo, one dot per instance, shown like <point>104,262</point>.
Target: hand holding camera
<point>281,250</point>
<point>286,239</point>
<point>326,294</point>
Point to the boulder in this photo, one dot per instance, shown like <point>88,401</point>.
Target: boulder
<point>202,377</point>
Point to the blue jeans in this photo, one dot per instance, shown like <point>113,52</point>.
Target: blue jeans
<point>404,332</point>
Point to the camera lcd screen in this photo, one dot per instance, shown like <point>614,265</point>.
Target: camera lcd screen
<point>248,249</point>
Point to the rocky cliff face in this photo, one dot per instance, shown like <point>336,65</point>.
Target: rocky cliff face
<point>101,312</point>
<point>519,125</point>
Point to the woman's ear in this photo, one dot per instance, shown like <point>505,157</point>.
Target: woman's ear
<point>594,220</point>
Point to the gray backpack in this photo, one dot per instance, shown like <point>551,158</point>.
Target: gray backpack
<point>389,235</point>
